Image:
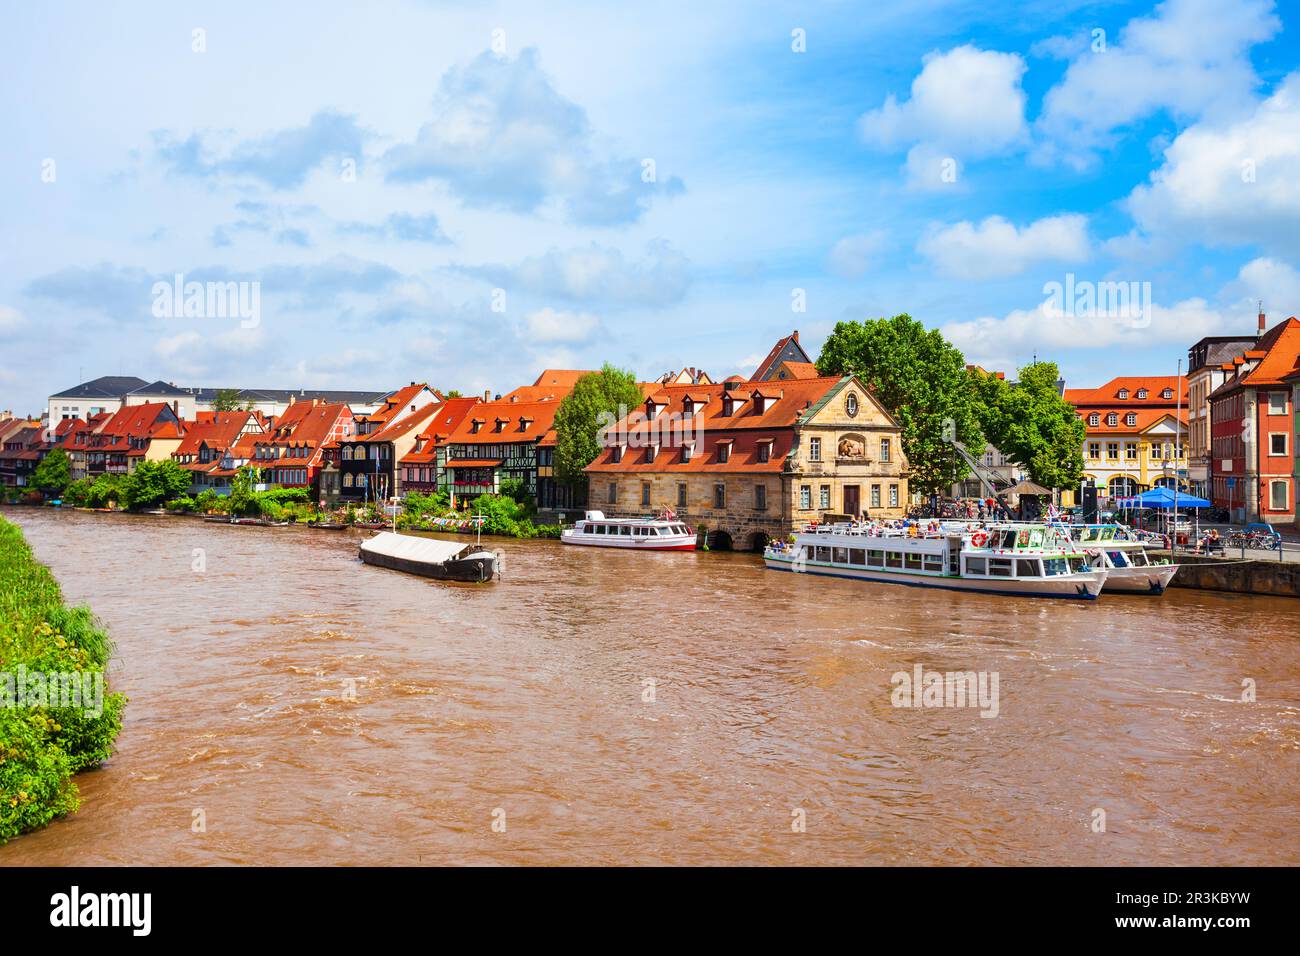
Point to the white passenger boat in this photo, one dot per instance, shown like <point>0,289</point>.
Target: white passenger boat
<point>665,533</point>
<point>1025,560</point>
<point>1130,569</point>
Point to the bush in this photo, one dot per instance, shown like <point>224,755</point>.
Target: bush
<point>41,747</point>
<point>183,504</point>
<point>207,501</point>
<point>78,492</point>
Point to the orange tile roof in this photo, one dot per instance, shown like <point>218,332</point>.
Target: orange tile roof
<point>538,416</point>
<point>217,430</point>
<point>1146,418</point>
<point>1108,394</point>
<point>1277,354</point>
<point>801,369</point>
<point>436,432</point>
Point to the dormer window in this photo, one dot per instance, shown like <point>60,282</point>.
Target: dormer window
<point>688,407</point>
<point>651,453</point>
<point>500,424</point>
<point>688,450</point>
<point>1142,393</point>
<point>474,425</point>
<point>616,454</point>
<point>1094,420</point>
<point>1130,419</point>
<point>1112,419</point>
<point>524,422</point>
<point>765,450</point>
<point>1123,394</point>
<point>653,408</point>
<point>724,451</point>
<point>1167,394</point>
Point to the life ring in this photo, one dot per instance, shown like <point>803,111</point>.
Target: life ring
<point>978,539</point>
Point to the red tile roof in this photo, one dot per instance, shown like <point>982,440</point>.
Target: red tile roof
<point>1108,394</point>
<point>1277,355</point>
<point>537,417</point>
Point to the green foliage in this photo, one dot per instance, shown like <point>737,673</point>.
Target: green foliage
<point>104,490</point>
<point>41,747</point>
<point>184,504</point>
<point>154,482</point>
<point>207,501</point>
<point>76,494</point>
<point>227,400</point>
<point>416,505</point>
<point>53,473</point>
<point>921,379</point>
<point>596,398</point>
<point>242,498</point>
<point>1032,424</point>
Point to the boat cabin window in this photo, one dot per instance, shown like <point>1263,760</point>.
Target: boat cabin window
<point>823,553</point>
<point>1008,540</point>
<point>1055,566</point>
<point>841,555</point>
<point>1026,569</point>
<point>1118,558</point>
<point>857,556</point>
<point>893,559</point>
<point>875,559</point>
<point>1000,567</point>
<point>934,562</point>
<point>977,566</point>
<point>1139,559</point>
<point>1078,564</point>
<point>625,529</point>
<point>913,561</point>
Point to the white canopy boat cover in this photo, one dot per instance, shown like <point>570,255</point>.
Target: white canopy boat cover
<point>410,548</point>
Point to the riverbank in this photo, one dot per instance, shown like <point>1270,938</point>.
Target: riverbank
<point>56,717</point>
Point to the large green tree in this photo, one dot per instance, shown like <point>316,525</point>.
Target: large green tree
<point>921,379</point>
<point>228,400</point>
<point>1032,424</point>
<point>154,482</point>
<point>611,392</point>
<point>53,473</point>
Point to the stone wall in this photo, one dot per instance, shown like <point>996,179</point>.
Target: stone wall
<point>1251,576</point>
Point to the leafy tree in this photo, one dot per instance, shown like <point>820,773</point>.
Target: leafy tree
<point>105,489</point>
<point>243,498</point>
<point>1032,424</point>
<point>76,494</point>
<point>227,400</point>
<point>53,473</point>
<point>154,482</point>
<point>611,391</point>
<point>921,379</point>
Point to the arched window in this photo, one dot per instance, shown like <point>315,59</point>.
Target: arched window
<point>347,480</point>
<point>1121,486</point>
<point>347,453</point>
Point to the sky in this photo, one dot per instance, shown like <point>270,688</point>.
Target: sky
<point>467,193</point>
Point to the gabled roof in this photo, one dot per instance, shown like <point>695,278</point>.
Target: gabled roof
<point>1277,355</point>
<point>440,428</point>
<point>1147,418</point>
<point>160,388</point>
<point>217,431</point>
<point>306,423</point>
<point>787,349</point>
<point>797,370</point>
<point>404,425</point>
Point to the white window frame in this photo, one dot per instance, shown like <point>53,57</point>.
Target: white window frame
<point>1285,452</point>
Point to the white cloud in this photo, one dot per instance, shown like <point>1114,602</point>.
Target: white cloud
<point>1190,58</point>
<point>966,103</point>
<point>597,273</point>
<point>11,320</point>
<point>1276,284</point>
<point>549,325</point>
<point>995,247</point>
<point>1231,183</point>
<point>1004,342</point>
<point>853,256</point>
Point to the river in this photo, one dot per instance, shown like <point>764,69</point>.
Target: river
<point>601,707</point>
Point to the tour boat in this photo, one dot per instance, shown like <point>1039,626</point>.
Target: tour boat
<point>1130,569</point>
<point>1025,560</point>
<point>665,533</point>
<point>430,557</point>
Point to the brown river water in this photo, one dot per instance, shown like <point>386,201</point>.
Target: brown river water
<point>524,703</point>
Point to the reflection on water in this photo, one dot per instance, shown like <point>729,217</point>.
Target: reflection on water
<point>321,711</point>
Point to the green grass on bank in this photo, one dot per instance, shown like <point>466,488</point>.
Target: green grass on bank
<point>41,747</point>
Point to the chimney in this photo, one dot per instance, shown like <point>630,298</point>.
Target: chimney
<point>487,394</point>
<point>1260,330</point>
<point>795,335</point>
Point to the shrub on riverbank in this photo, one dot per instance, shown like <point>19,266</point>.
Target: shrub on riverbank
<point>41,747</point>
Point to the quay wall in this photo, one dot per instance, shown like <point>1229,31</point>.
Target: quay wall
<point>1251,576</point>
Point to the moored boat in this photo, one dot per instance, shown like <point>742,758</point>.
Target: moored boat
<point>430,557</point>
<point>1130,569</point>
<point>665,533</point>
<point>1028,561</point>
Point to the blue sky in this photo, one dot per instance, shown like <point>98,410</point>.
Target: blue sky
<point>466,193</point>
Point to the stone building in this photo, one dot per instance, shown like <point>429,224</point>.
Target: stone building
<point>746,461</point>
